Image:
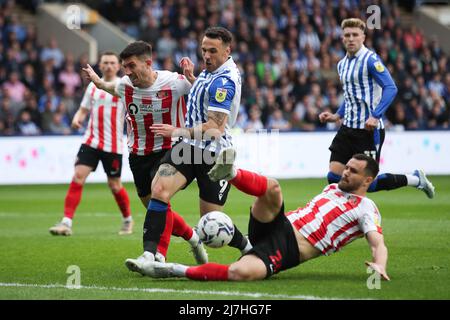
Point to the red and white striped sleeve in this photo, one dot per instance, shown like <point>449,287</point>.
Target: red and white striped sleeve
<point>370,218</point>
<point>183,85</point>
<point>87,100</point>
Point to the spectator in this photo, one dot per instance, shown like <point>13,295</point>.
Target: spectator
<point>15,88</point>
<point>58,126</point>
<point>276,121</point>
<point>254,122</point>
<point>26,126</point>
<point>69,79</point>
<point>166,45</point>
<point>51,97</point>
<point>52,52</point>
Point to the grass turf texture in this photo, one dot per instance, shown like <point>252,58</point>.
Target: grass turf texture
<point>34,263</point>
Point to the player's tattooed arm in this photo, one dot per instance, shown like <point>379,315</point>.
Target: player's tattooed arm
<point>219,118</point>
<point>214,127</point>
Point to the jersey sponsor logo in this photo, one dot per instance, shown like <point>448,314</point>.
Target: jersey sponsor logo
<point>221,94</point>
<point>379,66</point>
<point>133,109</point>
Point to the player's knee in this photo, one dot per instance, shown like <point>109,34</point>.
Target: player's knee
<point>79,178</point>
<point>160,192</point>
<point>273,195</point>
<point>273,187</point>
<point>115,185</point>
<point>239,272</point>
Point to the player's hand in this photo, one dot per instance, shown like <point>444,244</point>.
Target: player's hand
<point>91,75</point>
<point>188,69</point>
<point>164,130</point>
<point>371,124</point>
<point>76,123</point>
<point>379,269</point>
<point>328,117</point>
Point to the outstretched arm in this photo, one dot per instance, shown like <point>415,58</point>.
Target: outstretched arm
<point>215,126</point>
<point>188,69</point>
<point>379,253</point>
<point>109,87</point>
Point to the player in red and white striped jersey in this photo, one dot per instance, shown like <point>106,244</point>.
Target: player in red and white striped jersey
<point>162,102</point>
<point>102,142</point>
<point>334,218</point>
<point>151,97</point>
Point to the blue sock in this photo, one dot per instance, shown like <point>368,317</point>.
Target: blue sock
<point>388,181</point>
<point>154,224</point>
<point>333,177</point>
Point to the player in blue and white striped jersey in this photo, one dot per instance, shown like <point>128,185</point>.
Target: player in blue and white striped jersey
<point>368,92</point>
<point>212,108</point>
<point>215,91</point>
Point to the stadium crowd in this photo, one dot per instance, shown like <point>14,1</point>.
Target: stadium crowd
<point>287,51</point>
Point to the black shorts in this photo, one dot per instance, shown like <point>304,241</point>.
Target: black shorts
<point>194,163</point>
<point>112,162</point>
<point>274,243</point>
<point>144,169</point>
<point>349,141</point>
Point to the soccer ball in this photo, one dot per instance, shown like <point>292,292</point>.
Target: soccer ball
<point>215,229</point>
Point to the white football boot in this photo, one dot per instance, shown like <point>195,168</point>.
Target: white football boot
<point>127,227</point>
<point>224,168</point>
<point>424,184</point>
<point>139,264</point>
<point>61,229</point>
<point>165,270</point>
<point>197,248</point>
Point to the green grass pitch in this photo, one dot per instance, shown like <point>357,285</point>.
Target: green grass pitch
<point>33,263</point>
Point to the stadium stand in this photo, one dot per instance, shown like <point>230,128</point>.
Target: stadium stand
<point>287,51</point>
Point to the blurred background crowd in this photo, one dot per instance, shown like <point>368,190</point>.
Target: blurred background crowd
<point>287,51</point>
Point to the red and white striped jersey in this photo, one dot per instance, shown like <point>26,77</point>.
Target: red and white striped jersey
<point>163,102</point>
<point>335,218</point>
<point>105,128</point>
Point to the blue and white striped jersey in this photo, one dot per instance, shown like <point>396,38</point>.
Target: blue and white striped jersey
<point>368,88</point>
<point>215,91</point>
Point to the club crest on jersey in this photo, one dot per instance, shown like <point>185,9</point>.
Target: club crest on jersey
<point>162,94</point>
<point>379,66</point>
<point>353,200</point>
<point>221,94</point>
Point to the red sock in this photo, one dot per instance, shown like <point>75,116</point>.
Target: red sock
<point>208,272</point>
<point>72,200</point>
<point>250,182</point>
<point>164,240</point>
<point>123,202</point>
<point>180,227</point>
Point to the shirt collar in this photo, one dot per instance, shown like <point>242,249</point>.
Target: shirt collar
<point>226,64</point>
<point>359,52</point>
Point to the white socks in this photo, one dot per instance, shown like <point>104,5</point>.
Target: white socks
<point>127,219</point>
<point>193,241</point>
<point>179,270</point>
<point>67,222</point>
<point>413,180</point>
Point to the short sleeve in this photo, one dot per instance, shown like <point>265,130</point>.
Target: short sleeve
<point>183,85</point>
<point>120,86</point>
<point>221,94</point>
<point>370,219</point>
<point>86,102</point>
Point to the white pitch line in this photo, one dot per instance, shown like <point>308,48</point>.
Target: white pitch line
<point>185,291</point>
